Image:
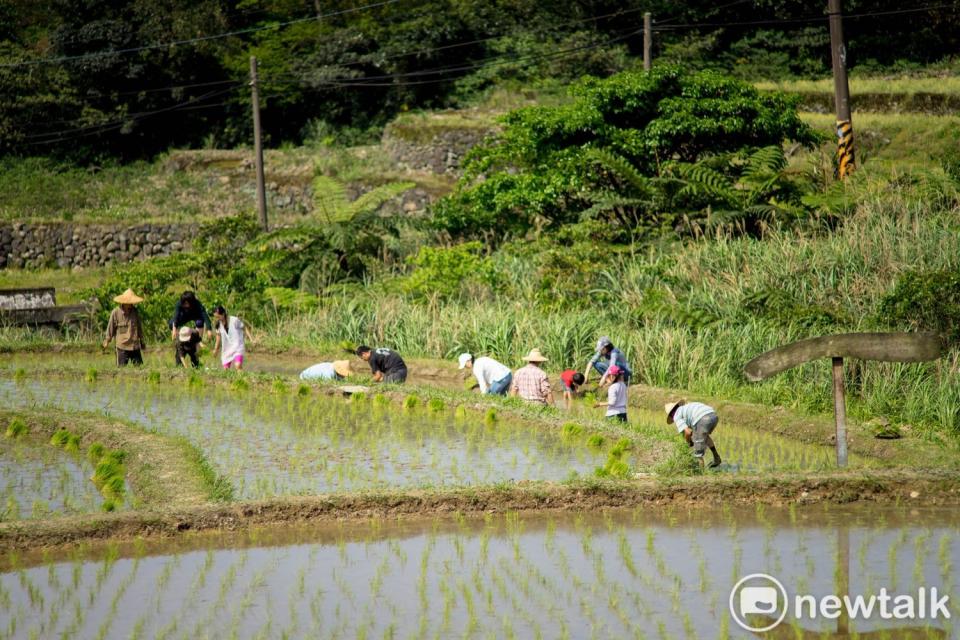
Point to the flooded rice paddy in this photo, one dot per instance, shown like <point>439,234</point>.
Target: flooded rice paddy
<point>270,444</point>
<point>38,479</point>
<point>636,574</point>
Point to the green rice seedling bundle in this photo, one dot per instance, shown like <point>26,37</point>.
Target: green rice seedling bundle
<point>91,375</point>
<point>240,384</point>
<point>490,417</point>
<point>358,397</point>
<point>95,451</point>
<point>596,441</point>
<point>571,429</point>
<point>113,488</point>
<point>195,380</point>
<point>108,505</point>
<point>411,402</point>
<point>72,445</point>
<point>153,377</point>
<point>60,438</point>
<point>20,374</point>
<point>436,405</point>
<point>460,413</point>
<point>16,428</point>
<point>279,386</point>
<point>303,390</point>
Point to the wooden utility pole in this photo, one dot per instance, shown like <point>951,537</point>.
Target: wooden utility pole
<point>647,41</point>
<point>258,145</point>
<point>840,411</point>
<point>841,91</point>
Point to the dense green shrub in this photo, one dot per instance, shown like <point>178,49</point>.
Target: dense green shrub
<point>442,271</point>
<point>606,153</point>
<point>925,300</point>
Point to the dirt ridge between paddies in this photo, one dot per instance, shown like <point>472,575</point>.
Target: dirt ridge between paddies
<point>888,487</point>
<point>161,470</point>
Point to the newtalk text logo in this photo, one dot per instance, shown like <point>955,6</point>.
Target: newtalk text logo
<point>759,602</point>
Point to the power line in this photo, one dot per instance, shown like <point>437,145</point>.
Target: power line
<point>819,18</point>
<point>176,43</point>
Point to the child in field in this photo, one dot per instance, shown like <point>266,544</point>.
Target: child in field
<point>230,339</point>
<point>188,340</point>
<point>572,381</point>
<point>616,403</point>
<point>695,421</point>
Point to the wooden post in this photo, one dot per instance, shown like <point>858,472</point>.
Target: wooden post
<point>258,145</point>
<point>840,411</point>
<point>647,41</point>
<point>841,91</point>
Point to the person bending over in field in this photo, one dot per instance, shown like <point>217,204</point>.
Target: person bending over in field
<point>188,342</point>
<point>336,370</point>
<point>531,382</point>
<point>572,381</point>
<point>695,421</point>
<point>493,377</point>
<point>616,403</point>
<point>385,364</point>
<point>606,356</point>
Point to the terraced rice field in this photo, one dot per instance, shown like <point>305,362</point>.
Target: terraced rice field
<point>270,444</point>
<point>612,575</point>
<point>39,480</point>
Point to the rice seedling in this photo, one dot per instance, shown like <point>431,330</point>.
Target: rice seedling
<point>19,374</point>
<point>90,375</point>
<point>95,451</point>
<point>596,441</point>
<point>109,505</point>
<point>303,390</point>
<point>194,380</point>
<point>60,438</point>
<point>16,428</point>
<point>358,397</point>
<point>153,377</point>
<point>490,417</point>
<point>410,402</point>
<point>436,405</point>
<point>279,386</point>
<point>240,384</point>
<point>72,445</point>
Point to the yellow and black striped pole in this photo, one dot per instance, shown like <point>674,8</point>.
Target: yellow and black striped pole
<point>846,162</point>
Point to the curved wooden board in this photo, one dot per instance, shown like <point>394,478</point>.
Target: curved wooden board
<point>887,347</point>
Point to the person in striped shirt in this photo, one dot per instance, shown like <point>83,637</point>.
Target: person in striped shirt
<point>695,421</point>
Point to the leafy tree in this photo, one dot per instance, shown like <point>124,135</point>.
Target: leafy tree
<point>553,165</point>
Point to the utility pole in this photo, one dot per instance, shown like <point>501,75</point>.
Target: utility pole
<point>841,92</point>
<point>258,145</point>
<point>647,41</point>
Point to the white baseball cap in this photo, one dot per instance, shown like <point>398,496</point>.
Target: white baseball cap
<point>464,359</point>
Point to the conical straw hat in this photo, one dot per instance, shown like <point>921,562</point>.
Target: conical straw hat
<point>342,368</point>
<point>535,356</point>
<point>128,297</point>
<point>670,406</point>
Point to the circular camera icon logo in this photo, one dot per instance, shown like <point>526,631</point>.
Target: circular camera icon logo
<point>758,602</point>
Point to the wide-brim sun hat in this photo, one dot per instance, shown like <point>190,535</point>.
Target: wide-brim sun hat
<point>464,359</point>
<point>535,356</point>
<point>185,334</point>
<point>342,368</point>
<point>670,407</point>
<point>128,297</point>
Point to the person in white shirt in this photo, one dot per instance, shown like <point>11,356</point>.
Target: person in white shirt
<point>229,339</point>
<point>493,377</point>
<point>616,403</point>
<point>695,421</point>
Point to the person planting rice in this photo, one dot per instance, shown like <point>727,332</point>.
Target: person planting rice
<point>187,313</point>
<point>531,382</point>
<point>494,378</point>
<point>572,381</point>
<point>695,421</point>
<point>188,342</point>
<point>386,364</point>
<point>124,326</point>
<point>616,403</point>
<point>606,356</point>
<point>230,339</point>
<point>336,370</point>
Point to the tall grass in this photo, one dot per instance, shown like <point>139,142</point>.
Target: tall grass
<point>846,271</point>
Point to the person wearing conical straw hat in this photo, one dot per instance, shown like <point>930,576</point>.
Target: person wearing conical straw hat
<point>531,382</point>
<point>695,421</point>
<point>336,370</point>
<point>124,326</point>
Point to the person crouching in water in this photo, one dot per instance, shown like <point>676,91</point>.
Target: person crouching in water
<point>695,421</point>
<point>188,341</point>
<point>493,377</point>
<point>616,403</point>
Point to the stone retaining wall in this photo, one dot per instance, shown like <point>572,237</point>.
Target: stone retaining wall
<point>88,245</point>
